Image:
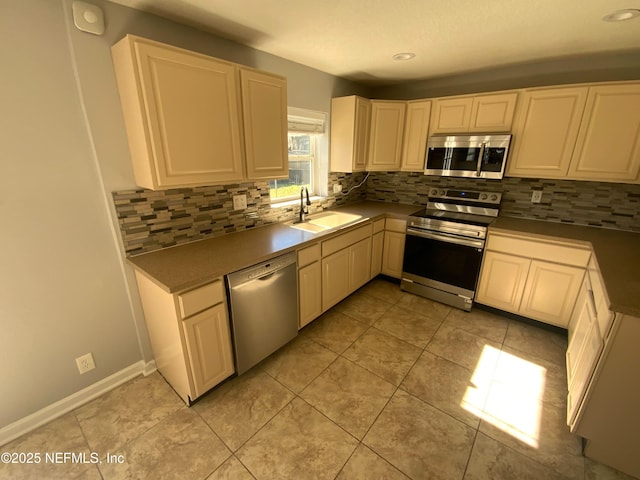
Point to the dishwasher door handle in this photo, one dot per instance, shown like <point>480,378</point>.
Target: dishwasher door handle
<point>267,276</point>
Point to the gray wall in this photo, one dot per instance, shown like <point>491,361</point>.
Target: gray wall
<point>65,287</point>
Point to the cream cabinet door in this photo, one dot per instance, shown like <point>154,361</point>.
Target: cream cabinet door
<point>377,247</point>
<point>393,254</point>
<point>550,292</point>
<point>502,281</point>
<point>209,347</point>
<point>493,113</point>
<point>416,130</point>
<point>335,278</point>
<point>264,109</point>
<point>451,115</point>
<point>608,144</point>
<point>545,132</point>
<point>359,264</point>
<point>181,114</point>
<point>350,123</point>
<point>310,292</point>
<point>385,141</point>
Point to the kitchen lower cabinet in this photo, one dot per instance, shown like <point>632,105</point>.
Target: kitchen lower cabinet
<point>210,362</point>
<point>335,278</point>
<point>550,292</point>
<point>189,334</point>
<point>393,248</point>
<point>359,264</point>
<point>608,416</point>
<point>534,278</point>
<point>502,280</point>
<point>377,247</point>
<point>309,284</point>
<point>346,264</point>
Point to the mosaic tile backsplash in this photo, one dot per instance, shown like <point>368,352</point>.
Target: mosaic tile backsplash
<point>601,204</point>
<point>153,220</point>
<point>150,220</point>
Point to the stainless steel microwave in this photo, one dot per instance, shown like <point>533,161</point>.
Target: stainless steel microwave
<point>476,156</point>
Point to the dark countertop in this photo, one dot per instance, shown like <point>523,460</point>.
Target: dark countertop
<point>187,266</point>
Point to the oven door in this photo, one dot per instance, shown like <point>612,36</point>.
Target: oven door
<point>442,261</point>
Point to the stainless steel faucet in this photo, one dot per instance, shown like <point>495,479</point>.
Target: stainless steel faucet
<point>303,208</point>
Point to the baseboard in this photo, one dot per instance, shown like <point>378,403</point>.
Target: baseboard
<point>67,404</point>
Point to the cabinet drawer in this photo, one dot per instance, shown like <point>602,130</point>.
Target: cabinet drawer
<point>378,225</point>
<point>199,299</point>
<point>540,250</point>
<point>308,255</point>
<point>346,239</point>
<point>395,225</point>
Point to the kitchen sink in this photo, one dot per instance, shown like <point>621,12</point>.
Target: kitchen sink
<point>326,221</point>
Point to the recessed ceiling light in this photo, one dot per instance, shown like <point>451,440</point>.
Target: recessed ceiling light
<point>401,57</point>
<point>621,15</point>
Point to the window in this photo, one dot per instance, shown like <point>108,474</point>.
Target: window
<point>307,156</point>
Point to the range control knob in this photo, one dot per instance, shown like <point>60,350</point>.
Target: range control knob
<point>483,196</point>
<point>441,192</point>
<point>433,192</point>
<point>494,197</point>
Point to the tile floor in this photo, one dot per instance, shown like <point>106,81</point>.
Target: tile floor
<point>386,385</point>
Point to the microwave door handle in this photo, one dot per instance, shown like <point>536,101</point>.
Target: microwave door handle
<point>480,157</point>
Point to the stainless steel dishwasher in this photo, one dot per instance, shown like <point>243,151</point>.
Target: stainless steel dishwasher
<point>263,303</point>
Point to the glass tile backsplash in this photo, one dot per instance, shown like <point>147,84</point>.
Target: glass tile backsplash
<point>151,220</point>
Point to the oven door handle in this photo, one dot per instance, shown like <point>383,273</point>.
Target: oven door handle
<point>444,237</point>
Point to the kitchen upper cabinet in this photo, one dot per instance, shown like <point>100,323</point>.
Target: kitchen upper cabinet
<point>608,143</point>
<point>416,130</point>
<point>350,124</point>
<point>264,113</point>
<point>189,334</point>
<point>386,134</point>
<point>181,114</point>
<point>578,133</point>
<point>196,120</point>
<point>469,114</point>
<point>545,132</point>
<point>536,279</point>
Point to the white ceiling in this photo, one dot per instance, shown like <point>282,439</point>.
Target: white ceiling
<point>356,39</point>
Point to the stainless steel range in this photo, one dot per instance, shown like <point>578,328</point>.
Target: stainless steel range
<point>444,245</point>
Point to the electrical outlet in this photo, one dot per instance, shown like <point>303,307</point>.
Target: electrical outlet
<point>337,188</point>
<point>239,202</point>
<point>536,196</point>
<point>85,363</point>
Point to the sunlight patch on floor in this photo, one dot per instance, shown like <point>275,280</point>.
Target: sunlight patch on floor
<point>507,391</point>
